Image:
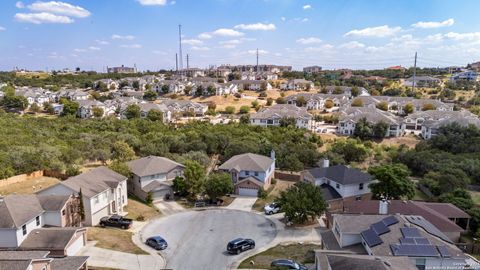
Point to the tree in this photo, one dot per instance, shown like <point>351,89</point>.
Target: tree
<point>195,176</point>
<point>200,90</point>
<point>72,170</point>
<point>263,86</point>
<point>165,89</point>
<point>136,85</point>
<point>355,91</point>
<point>408,109</point>
<point>254,103</point>
<point>35,108</point>
<point>281,100</point>
<point>81,207</point>
<point>302,202</point>
<point>382,105</point>
<point>122,152</point>
<point>301,101</point>
<point>229,110</point>
<point>459,197</point>
<point>392,182</point>
<point>350,150</point>
<point>97,112</point>
<point>211,90</point>
<point>218,184</point>
<point>357,103</point>
<point>245,119</point>
<point>244,109</point>
<point>288,122</point>
<point>132,111</point>
<point>428,107</point>
<point>150,95</point>
<point>363,129</point>
<point>102,87</point>
<point>180,186</point>
<point>69,107</point>
<point>155,115</point>
<point>121,168</point>
<point>380,130</point>
<point>48,107</point>
<point>329,104</point>
<point>270,101</point>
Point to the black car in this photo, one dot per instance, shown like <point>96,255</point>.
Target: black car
<point>287,264</point>
<point>116,221</point>
<point>239,245</point>
<point>157,242</point>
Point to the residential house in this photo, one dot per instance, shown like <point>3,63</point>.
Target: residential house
<point>446,217</point>
<point>395,236</point>
<point>104,192</point>
<point>345,260</point>
<point>340,184</point>
<point>465,76</point>
<point>185,107</point>
<point>430,128</point>
<point>250,172</point>
<point>146,107</point>
<point>266,75</point>
<point>153,175</point>
<point>86,108</point>
<point>40,260</point>
<point>312,69</point>
<point>317,101</point>
<point>346,90</point>
<point>111,84</point>
<point>248,76</point>
<point>397,105</point>
<point>172,86</point>
<point>297,85</point>
<point>214,88</point>
<point>252,85</point>
<point>422,81</point>
<point>122,69</point>
<point>273,116</point>
<point>416,120</point>
<point>194,72</point>
<point>60,242</point>
<point>349,118</point>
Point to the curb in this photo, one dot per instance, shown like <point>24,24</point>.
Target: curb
<point>136,239</point>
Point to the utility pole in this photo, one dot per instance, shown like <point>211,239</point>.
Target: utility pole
<point>257,60</point>
<point>176,62</point>
<point>414,73</point>
<point>188,65</point>
<point>180,47</point>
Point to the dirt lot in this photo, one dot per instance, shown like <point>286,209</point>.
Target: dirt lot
<point>29,186</point>
<point>303,254</point>
<point>114,239</point>
<point>139,211</point>
<point>409,141</point>
<point>272,194</point>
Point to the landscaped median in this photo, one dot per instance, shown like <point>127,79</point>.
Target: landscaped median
<point>302,253</point>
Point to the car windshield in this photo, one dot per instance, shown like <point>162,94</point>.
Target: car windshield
<point>296,265</point>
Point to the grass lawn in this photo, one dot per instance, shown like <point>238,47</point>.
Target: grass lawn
<point>140,211</point>
<point>29,186</point>
<point>114,239</point>
<point>475,196</point>
<point>273,193</point>
<point>301,253</point>
<point>420,196</point>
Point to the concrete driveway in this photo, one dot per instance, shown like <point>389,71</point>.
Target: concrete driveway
<point>242,203</point>
<point>198,239</point>
<point>168,207</point>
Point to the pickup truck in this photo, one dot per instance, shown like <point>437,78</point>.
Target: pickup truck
<point>116,221</point>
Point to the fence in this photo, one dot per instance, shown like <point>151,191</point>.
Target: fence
<point>55,174</point>
<point>20,178</point>
<point>286,176</point>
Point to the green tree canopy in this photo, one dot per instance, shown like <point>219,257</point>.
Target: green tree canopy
<point>392,182</point>
<point>302,202</point>
<point>132,111</point>
<point>218,184</point>
<point>195,176</point>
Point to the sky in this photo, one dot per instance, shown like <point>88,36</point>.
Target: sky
<point>359,34</point>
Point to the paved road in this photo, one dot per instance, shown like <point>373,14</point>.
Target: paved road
<point>198,239</point>
<point>242,203</point>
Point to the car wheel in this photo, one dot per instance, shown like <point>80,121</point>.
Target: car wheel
<point>238,251</point>
<point>102,225</point>
<point>252,246</point>
<point>124,227</point>
<point>270,212</point>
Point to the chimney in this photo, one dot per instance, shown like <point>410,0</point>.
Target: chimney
<point>272,154</point>
<point>383,207</point>
<point>324,163</point>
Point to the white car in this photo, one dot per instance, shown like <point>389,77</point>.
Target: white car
<point>271,209</point>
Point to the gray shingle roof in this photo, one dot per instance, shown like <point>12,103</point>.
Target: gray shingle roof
<point>49,238</point>
<point>15,264</point>
<point>21,255</point>
<point>94,182</point>
<point>152,165</point>
<point>341,174</point>
<point>247,162</point>
<point>16,210</point>
<point>329,193</point>
<point>52,202</point>
<point>68,263</point>
<point>280,111</point>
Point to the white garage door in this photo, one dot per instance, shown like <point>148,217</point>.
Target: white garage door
<point>160,194</point>
<point>248,192</point>
<point>75,247</point>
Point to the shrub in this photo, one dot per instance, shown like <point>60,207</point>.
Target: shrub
<point>262,194</point>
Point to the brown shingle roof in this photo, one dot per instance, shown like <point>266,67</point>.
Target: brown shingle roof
<point>50,238</point>
<point>248,162</point>
<point>15,264</point>
<point>68,263</point>
<point>152,165</point>
<point>52,202</point>
<point>16,210</point>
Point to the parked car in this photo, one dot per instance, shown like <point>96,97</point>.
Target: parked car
<point>239,245</point>
<point>157,242</point>
<point>272,208</point>
<point>116,221</point>
<point>287,264</point>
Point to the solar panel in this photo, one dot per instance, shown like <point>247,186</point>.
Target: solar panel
<point>407,241</point>
<point>444,251</point>
<point>427,226</point>
<point>414,250</point>
<point>380,228</point>
<point>410,232</point>
<point>422,241</point>
<point>390,220</point>
<point>371,238</point>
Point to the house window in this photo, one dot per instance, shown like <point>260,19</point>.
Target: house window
<point>247,172</point>
<point>360,186</point>
<point>338,186</point>
<point>37,220</point>
<point>63,212</point>
<point>24,229</point>
<point>256,173</point>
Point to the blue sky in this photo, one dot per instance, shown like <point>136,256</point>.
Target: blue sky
<point>367,34</point>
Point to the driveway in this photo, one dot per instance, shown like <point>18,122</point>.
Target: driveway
<point>198,239</point>
<point>242,203</point>
<point>168,207</point>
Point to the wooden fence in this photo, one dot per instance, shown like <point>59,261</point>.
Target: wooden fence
<point>287,176</point>
<point>20,178</point>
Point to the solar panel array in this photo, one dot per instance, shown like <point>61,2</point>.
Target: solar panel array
<point>372,235</point>
<point>380,228</point>
<point>444,251</point>
<point>410,232</point>
<point>371,238</point>
<point>427,226</point>
<point>390,220</point>
<point>414,250</point>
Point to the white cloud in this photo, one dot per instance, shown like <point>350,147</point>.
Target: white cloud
<point>463,36</point>
<point>79,50</point>
<point>307,7</point>
<point>2,28</point>
<point>379,31</point>
<point>199,48</point>
<point>60,8</point>
<point>93,48</point>
<point>256,27</point>
<point>102,42</point>
<point>309,40</point>
<point>229,46</point>
<point>205,36</point>
<point>43,17</point>
<point>225,32</point>
<point>131,46</point>
<point>283,19</point>
<point>445,23</point>
<point>259,52</point>
<point>352,45</point>
<point>173,3</point>
<point>127,37</point>
<point>324,47</point>
<point>434,38</point>
<point>230,42</point>
<point>193,42</point>
<point>152,2</point>
<point>19,4</point>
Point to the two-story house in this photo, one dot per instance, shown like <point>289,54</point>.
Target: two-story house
<point>339,184</point>
<point>273,116</point>
<point>153,175</point>
<point>250,172</point>
<point>103,192</point>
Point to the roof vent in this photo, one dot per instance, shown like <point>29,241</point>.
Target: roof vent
<point>387,263</point>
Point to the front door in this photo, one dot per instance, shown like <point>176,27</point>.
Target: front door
<point>114,207</point>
